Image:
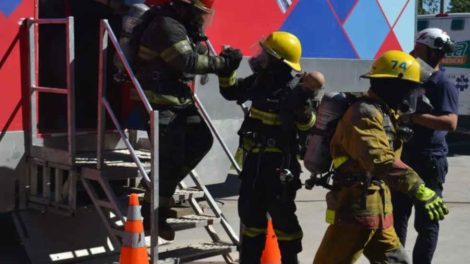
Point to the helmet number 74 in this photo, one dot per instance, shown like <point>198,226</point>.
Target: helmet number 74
<point>401,65</point>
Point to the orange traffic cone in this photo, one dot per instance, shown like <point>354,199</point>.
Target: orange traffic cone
<point>271,252</point>
<point>133,250</point>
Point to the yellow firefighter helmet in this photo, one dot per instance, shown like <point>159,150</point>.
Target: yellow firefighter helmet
<point>284,46</point>
<point>395,64</point>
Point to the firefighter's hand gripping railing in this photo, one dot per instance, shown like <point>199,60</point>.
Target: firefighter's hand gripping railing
<point>106,33</point>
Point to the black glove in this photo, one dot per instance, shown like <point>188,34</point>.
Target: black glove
<point>298,103</point>
<point>424,105</point>
<point>232,58</point>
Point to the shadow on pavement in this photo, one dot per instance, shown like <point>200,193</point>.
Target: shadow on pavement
<point>11,250</point>
<point>228,188</point>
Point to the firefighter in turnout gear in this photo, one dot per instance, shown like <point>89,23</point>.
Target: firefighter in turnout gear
<point>170,54</point>
<point>269,137</point>
<point>366,150</point>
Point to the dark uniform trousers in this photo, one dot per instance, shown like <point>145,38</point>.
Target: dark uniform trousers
<point>184,140</point>
<point>262,193</point>
<point>432,169</point>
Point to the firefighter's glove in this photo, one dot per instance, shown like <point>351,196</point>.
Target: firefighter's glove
<point>299,105</point>
<point>431,202</point>
<point>232,58</point>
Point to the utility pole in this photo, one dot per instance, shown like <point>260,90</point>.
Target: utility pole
<point>441,9</point>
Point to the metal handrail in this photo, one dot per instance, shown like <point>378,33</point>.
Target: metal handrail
<point>208,121</point>
<point>106,33</point>
<point>211,126</point>
<point>70,83</point>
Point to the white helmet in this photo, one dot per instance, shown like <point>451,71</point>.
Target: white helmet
<point>435,38</point>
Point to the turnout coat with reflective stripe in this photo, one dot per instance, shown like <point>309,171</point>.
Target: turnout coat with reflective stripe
<point>169,56</point>
<point>278,112</point>
<point>362,146</point>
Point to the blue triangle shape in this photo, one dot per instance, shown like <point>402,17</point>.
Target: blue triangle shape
<point>314,23</point>
<point>8,6</point>
<point>343,7</point>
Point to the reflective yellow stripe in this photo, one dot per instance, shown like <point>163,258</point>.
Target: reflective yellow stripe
<point>249,145</point>
<point>282,236</point>
<point>229,81</point>
<point>266,117</point>
<point>338,161</point>
<point>202,63</point>
<point>160,99</point>
<point>239,158</point>
<point>253,231</point>
<point>259,149</point>
<point>146,53</point>
<point>330,216</point>
<point>308,125</point>
<point>177,49</point>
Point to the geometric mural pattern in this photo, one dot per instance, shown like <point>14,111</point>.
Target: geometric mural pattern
<point>8,6</point>
<point>356,29</point>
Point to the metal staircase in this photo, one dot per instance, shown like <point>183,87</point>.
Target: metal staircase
<point>101,161</point>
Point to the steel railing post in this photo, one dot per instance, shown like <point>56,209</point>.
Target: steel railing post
<point>70,53</point>
<point>32,79</point>
<point>154,186</point>
<point>101,92</point>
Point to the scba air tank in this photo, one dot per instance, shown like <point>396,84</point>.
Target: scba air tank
<point>129,22</point>
<point>317,157</point>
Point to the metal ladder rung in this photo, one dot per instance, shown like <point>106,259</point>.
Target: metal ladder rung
<point>198,251</point>
<point>182,195</point>
<point>192,221</point>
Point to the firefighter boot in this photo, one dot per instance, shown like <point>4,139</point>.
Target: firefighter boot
<point>165,231</point>
<point>290,259</point>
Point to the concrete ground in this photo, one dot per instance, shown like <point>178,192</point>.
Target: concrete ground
<point>453,243</point>
<point>453,247</point>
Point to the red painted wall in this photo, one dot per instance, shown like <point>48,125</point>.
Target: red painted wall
<point>11,110</point>
<point>242,24</point>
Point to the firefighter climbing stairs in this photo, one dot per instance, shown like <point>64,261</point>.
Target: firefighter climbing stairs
<point>106,166</point>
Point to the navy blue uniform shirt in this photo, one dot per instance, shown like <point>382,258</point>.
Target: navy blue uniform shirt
<point>444,97</point>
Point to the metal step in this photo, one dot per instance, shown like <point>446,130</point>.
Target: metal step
<point>183,195</point>
<point>192,221</point>
<point>195,252</point>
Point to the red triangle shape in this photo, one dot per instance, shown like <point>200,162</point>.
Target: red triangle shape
<point>390,43</point>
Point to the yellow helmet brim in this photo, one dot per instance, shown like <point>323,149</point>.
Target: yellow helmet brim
<point>383,75</point>
<point>294,66</point>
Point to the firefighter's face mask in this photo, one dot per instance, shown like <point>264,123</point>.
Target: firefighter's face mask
<point>400,95</point>
<point>409,103</point>
<point>259,62</point>
<point>416,102</point>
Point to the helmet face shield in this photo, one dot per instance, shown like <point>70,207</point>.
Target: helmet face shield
<point>199,20</point>
<point>207,19</point>
<point>203,5</point>
<point>425,70</point>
